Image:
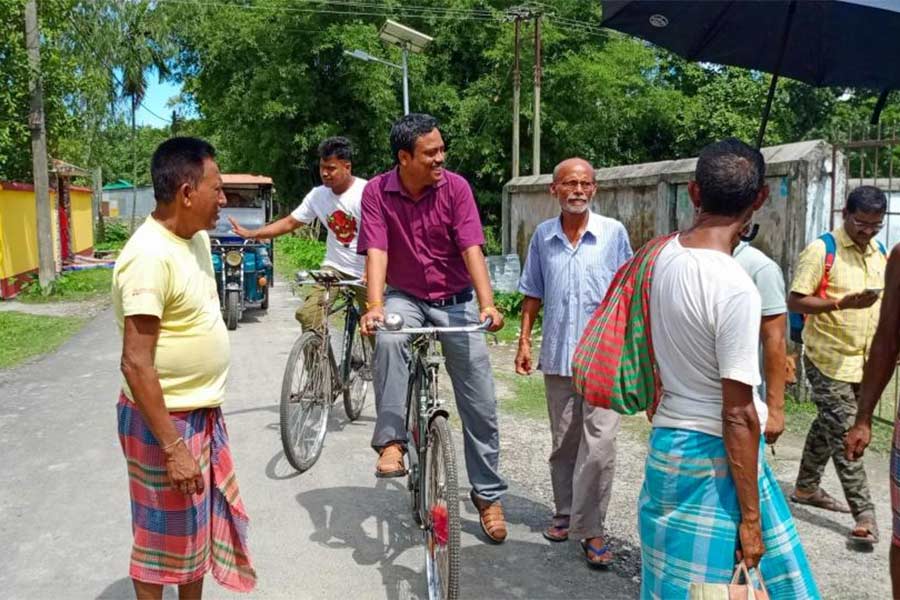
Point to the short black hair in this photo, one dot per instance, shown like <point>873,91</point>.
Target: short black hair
<point>407,129</point>
<point>337,146</point>
<point>730,174</point>
<point>867,199</point>
<point>176,161</point>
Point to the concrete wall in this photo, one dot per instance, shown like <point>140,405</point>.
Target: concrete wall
<point>18,231</point>
<point>651,199</point>
<point>82,220</point>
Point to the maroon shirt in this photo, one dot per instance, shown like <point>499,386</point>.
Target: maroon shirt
<point>425,239</point>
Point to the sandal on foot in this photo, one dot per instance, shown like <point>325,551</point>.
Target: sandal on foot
<point>490,515</point>
<point>390,462</point>
<point>596,552</point>
<point>865,532</point>
<point>821,499</point>
<point>558,530</point>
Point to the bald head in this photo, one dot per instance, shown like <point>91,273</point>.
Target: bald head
<point>570,164</point>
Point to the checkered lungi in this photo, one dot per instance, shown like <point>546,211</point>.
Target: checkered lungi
<point>895,484</point>
<point>179,538</point>
<point>689,516</point>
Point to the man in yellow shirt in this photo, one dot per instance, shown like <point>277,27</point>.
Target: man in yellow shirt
<point>175,357</point>
<point>841,305</point>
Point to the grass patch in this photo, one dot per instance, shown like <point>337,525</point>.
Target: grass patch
<point>528,397</point>
<point>23,336</point>
<point>72,286</point>
<point>294,253</point>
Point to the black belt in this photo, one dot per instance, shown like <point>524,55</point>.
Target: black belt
<point>460,298</point>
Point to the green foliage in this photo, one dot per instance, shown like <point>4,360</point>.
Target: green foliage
<point>114,231</point>
<point>23,336</point>
<point>492,244</point>
<point>509,303</point>
<point>294,253</point>
<point>71,286</point>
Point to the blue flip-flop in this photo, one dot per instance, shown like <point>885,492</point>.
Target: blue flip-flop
<point>602,554</point>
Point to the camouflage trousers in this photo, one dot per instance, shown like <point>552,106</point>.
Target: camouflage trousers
<point>836,402</point>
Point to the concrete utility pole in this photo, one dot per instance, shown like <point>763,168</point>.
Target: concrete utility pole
<point>517,14</point>
<point>536,159</point>
<point>517,92</point>
<point>46,266</point>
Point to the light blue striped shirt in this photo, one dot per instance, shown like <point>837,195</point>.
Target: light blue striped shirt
<point>571,282</point>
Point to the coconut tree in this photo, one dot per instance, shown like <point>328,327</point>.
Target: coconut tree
<point>143,51</point>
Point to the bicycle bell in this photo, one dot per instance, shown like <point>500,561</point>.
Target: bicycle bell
<point>393,322</point>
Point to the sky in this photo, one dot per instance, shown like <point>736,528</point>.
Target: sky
<point>158,94</point>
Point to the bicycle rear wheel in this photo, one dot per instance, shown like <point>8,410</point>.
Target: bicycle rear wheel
<point>441,496</point>
<point>305,401</point>
<point>360,374</point>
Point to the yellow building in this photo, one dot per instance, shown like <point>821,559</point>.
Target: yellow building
<point>18,232</point>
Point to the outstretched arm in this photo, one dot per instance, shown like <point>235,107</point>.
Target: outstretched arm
<point>881,362</point>
<point>272,230</point>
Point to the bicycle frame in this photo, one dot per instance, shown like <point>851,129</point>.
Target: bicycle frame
<point>330,306</point>
<point>424,364</point>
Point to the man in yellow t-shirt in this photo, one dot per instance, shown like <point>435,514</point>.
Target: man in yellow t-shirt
<point>841,315</point>
<point>175,356</point>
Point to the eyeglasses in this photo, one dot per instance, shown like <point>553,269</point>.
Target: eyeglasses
<point>864,225</point>
<point>573,184</point>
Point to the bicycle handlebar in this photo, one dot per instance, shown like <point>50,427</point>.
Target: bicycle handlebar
<point>393,324</point>
<point>327,278</point>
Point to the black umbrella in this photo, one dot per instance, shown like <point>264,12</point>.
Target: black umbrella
<point>847,43</point>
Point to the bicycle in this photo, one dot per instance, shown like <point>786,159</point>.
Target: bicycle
<point>313,379</point>
<point>433,488</point>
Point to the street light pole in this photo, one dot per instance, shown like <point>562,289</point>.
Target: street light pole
<point>405,54</point>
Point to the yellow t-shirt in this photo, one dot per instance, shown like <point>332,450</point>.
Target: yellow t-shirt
<point>838,342</point>
<point>163,275</point>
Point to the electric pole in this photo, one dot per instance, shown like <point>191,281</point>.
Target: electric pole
<point>46,266</point>
<point>536,159</point>
<point>517,91</point>
<point>517,14</point>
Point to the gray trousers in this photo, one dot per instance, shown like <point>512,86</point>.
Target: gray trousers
<point>582,459</point>
<point>469,367</point>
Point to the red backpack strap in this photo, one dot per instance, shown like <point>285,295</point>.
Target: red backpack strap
<point>830,249</point>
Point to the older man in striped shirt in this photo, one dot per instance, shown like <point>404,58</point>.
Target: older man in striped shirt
<point>571,261</point>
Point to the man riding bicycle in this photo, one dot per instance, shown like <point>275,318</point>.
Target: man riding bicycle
<point>422,236</point>
<point>336,203</point>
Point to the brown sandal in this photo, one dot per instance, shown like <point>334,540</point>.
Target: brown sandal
<point>390,462</point>
<point>490,514</point>
<point>865,532</point>
<point>821,499</point>
<point>558,531</point>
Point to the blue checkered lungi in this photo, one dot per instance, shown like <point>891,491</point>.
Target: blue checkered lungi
<point>689,516</point>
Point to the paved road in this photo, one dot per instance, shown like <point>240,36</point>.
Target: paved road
<point>332,532</point>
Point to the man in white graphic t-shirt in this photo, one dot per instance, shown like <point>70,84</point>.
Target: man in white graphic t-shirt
<point>336,203</point>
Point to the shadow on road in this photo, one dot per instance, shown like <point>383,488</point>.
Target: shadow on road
<point>375,522</point>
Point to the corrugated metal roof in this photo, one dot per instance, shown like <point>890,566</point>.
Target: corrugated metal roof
<point>119,184</point>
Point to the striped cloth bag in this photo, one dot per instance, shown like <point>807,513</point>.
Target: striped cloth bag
<point>613,366</point>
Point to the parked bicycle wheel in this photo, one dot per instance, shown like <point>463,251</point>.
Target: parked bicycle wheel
<point>359,376</point>
<point>442,513</point>
<point>305,402</point>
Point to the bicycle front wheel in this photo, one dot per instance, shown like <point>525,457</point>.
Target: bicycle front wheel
<point>441,497</point>
<point>360,374</point>
<point>305,401</point>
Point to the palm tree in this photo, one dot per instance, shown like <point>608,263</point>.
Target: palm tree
<point>142,52</point>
